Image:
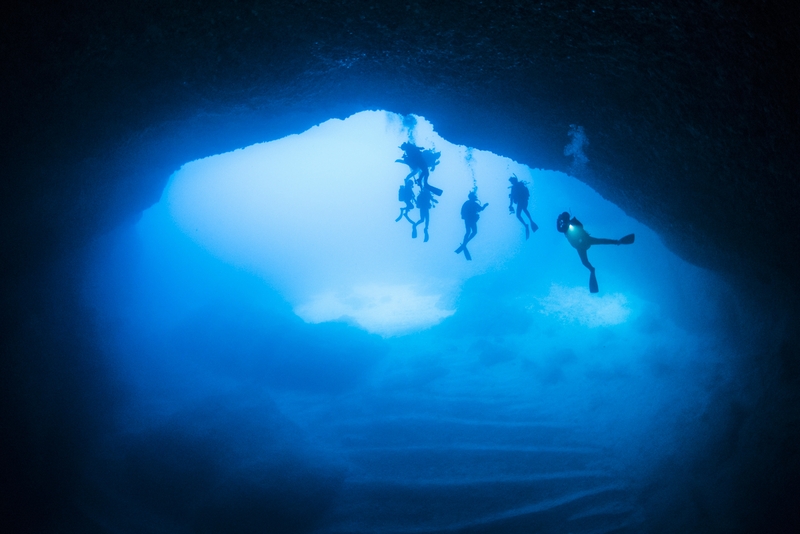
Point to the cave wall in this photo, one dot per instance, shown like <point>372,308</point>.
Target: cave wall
<point>691,110</point>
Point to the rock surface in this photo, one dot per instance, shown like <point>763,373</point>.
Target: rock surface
<point>691,109</point>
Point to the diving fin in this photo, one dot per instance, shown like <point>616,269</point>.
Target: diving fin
<point>593,283</point>
<point>459,249</point>
<point>467,254</point>
<point>527,232</point>
<point>426,235</point>
<point>534,226</point>
<point>435,190</point>
<point>627,240</point>
<point>414,232</point>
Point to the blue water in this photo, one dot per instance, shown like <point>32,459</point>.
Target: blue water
<point>283,368</point>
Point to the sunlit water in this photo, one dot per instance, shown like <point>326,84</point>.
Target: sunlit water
<point>294,358</point>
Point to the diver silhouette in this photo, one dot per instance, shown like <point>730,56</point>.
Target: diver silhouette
<point>519,195</point>
<point>406,194</point>
<point>581,241</point>
<point>425,202</point>
<point>470,213</point>
<point>421,162</point>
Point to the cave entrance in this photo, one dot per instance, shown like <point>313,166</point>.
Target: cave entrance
<point>273,323</point>
<point>314,216</point>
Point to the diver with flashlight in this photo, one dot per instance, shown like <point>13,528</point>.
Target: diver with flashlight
<point>581,241</point>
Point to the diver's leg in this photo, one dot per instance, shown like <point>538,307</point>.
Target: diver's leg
<point>464,241</point>
<point>585,259</point>
<point>534,226</point>
<point>519,215</point>
<point>424,217</point>
<point>421,218</point>
<point>417,174</point>
<point>602,241</point>
<point>592,277</point>
<point>408,208</point>
<point>474,228</point>
<point>427,222</point>
<point>423,176</point>
<point>471,231</point>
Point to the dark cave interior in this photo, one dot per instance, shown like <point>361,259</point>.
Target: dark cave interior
<point>692,112</point>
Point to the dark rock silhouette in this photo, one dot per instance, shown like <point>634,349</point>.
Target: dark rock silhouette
<point>690,107</point>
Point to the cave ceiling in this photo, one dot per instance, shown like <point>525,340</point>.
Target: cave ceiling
<point>691,108</point>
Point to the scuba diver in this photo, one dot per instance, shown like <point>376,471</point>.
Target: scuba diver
<point>406,194</point>
<point>581,241</point>
<point>469,212</point>
<point>425,202</point>
<point>519,195</point>
<point>422,162</point>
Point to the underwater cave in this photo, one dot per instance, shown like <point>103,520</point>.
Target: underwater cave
<point>216,321</point>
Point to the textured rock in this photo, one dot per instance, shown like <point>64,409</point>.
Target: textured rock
<point>691,109</point>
